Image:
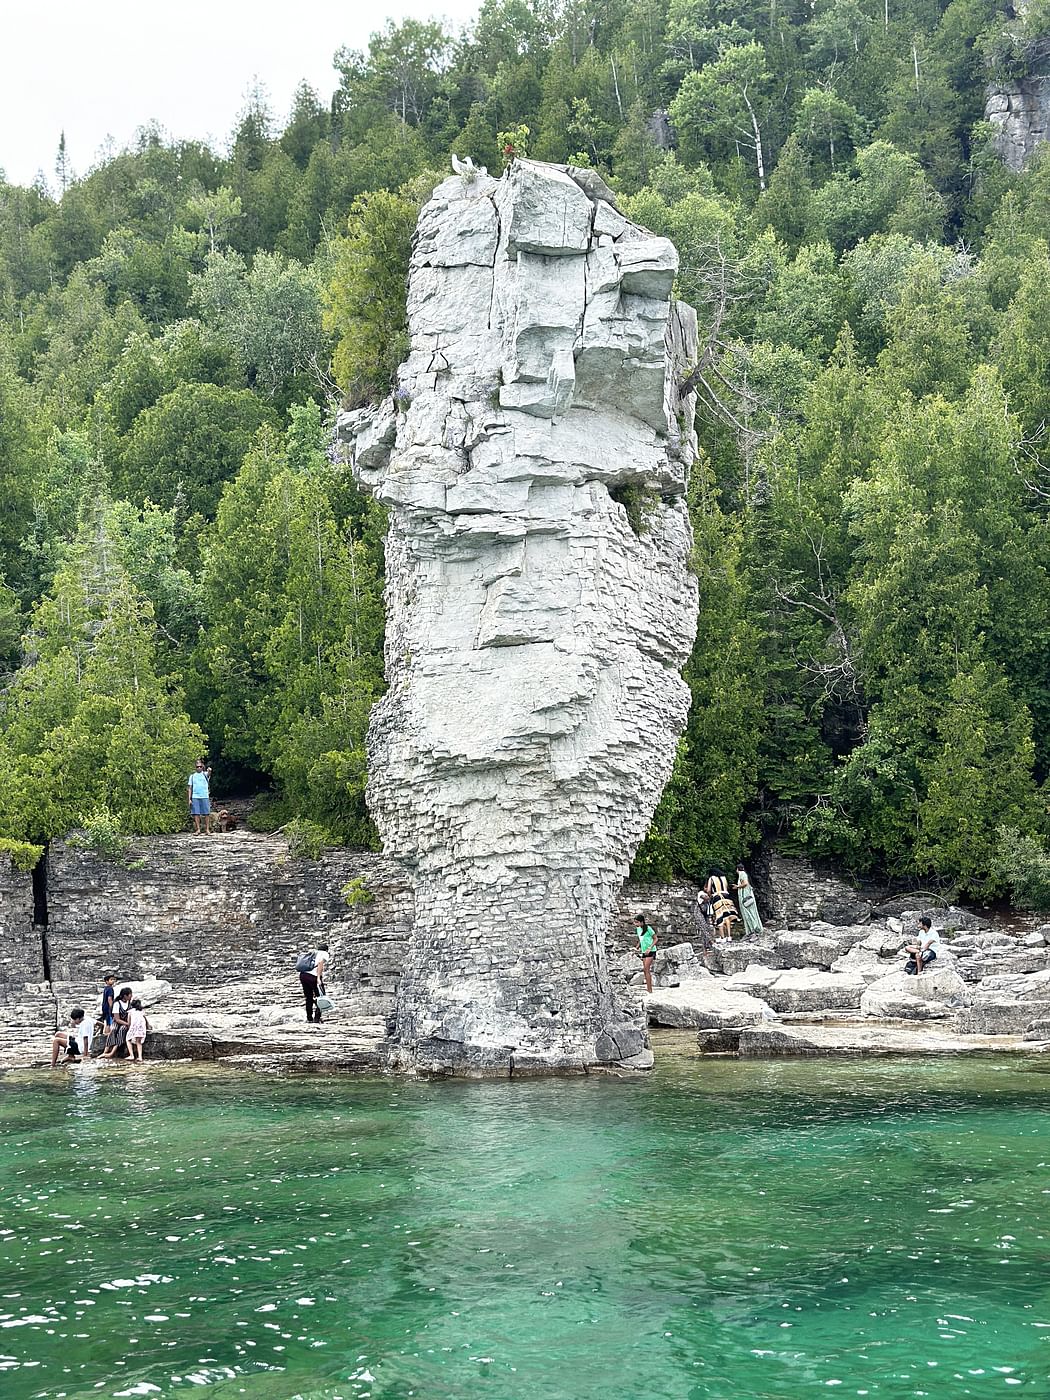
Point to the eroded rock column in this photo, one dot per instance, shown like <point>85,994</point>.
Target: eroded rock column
<point>539,609</point>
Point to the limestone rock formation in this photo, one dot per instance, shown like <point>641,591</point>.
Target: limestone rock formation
<point>1020,112</point>
<point>930,994</point>
<point>539,608</point>
<point>800,989</point>
<point>706,1005</point>
<point>1019,107</point>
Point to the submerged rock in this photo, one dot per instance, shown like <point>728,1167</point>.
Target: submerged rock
<point>539,608</point>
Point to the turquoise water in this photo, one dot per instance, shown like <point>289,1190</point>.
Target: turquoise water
<point>720,1229</point>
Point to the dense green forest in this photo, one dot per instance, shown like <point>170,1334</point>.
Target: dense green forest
<point>184,569</point>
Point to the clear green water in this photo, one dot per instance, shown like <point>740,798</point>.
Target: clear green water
<point>721,1229</point>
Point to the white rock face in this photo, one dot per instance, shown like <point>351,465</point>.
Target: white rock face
<point>800,989</point>
<point>920,997</point>
<point>536,626</point>
<point>706,1005</point>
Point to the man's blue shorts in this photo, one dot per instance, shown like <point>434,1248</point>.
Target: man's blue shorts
<point>200,807</point>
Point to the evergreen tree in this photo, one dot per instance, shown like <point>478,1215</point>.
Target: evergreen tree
<point>87,724</point>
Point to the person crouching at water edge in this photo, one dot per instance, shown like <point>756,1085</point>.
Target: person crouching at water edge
<point>310,968</point>
<point>924,951</point>
<point>646,949</point>
<point>68,1039</point>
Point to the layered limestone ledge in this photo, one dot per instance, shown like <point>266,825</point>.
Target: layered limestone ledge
<point>534,461</point>
<point>1019,110</point>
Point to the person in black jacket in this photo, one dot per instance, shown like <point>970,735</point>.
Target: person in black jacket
<point>311,968</point>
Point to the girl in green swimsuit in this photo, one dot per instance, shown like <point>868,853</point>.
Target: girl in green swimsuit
<point>646,949</point>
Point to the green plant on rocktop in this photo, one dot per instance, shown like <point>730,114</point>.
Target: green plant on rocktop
<point>101,833</point>
<point>357,893</point>
<point>306,839</point>
<point>639,501</point>
<point>366,309</point>
<point>513,144</point>
<point>24,854</point>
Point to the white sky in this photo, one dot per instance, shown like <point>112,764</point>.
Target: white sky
<point>99,68</point>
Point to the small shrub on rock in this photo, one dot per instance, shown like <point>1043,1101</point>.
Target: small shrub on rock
<point>357,893</point>
<point>306,840</point>
<point>102,834</point>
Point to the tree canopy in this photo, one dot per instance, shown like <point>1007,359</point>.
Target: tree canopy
<point>182,566</point>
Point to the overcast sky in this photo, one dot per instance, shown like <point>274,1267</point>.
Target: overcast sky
<point>102,68</point>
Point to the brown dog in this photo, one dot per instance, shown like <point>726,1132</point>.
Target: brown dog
<point>226,821</point>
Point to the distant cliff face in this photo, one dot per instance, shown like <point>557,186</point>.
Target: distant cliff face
<point>539,608</point>
<point>1020,110</point>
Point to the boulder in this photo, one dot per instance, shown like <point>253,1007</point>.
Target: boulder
<point>909,908</point>
<point>953,920</point>
<point>187,1044</point>
<point>1016,958</point>
<point>818,947</point>
<point>983,941</point>
<point>899,905</point>
<point>800,989</point>
<point>1035,939</point>
<point>990,1017</point>
<point>706,1005</point>
<point>1008,1003</point>
<point>929,995</point>
<point>755,979</point>
<point>735,957</point>
<point>844,909</point>
<point>677,963</point>
<point>150,991</point>
<point>867,1038</point>
<point>887,942</point>
<point>861,961</point>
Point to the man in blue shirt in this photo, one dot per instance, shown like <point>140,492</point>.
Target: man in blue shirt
<point>198,793</point>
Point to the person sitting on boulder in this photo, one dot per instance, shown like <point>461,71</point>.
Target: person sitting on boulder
<point>925,950</point>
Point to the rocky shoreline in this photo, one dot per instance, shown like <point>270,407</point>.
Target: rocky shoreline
<point>207,931</point>
<point>841,990</point>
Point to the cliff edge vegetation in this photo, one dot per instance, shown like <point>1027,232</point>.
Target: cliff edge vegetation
<point>183,564</point>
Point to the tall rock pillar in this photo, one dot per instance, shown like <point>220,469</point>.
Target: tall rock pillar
<point>539,609</point>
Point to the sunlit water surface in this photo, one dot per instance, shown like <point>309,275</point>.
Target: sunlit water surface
<point>719,1229</point>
